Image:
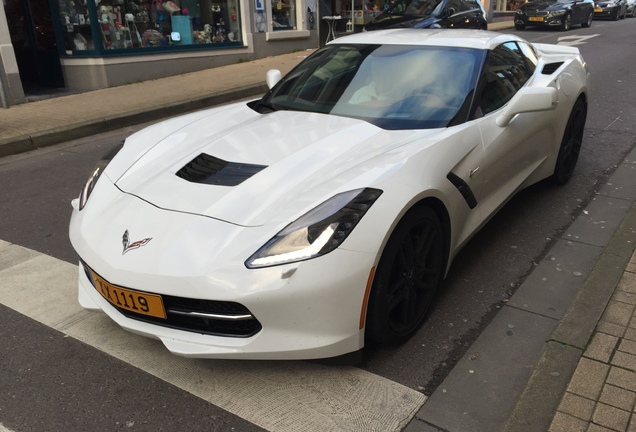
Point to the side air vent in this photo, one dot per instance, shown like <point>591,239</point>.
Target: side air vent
<point>207,169</point>
<point>550,68</point>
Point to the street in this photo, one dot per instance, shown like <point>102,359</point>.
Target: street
<point>53,380</point>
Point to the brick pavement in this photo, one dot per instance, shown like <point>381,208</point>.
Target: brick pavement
<point>601,395</point>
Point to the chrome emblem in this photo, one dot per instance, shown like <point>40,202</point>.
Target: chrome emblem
<point>136,245</point>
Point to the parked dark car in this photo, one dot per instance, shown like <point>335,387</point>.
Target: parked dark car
<point>431,14</point>
<point>613,9</point>
<point>561,14</point>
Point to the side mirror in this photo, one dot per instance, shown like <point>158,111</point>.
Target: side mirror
<point>272,77</point>
<point>528,99</point>
<point>449,12</point>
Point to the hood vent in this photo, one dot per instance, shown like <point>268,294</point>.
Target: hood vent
<point>550,68</point>
<point>207,169</point>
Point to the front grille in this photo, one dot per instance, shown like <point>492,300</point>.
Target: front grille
<point>218,318</point>
<point>550,68</point>
<point>179,311</point>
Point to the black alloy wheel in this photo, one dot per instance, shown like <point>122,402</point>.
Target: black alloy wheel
<point>571,144</point>
<point>566,24</point>
<point>615,16</point>
<point>588,23</point>
<point>410,271</point>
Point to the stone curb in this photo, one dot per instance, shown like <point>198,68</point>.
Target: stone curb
<point>12,146</point>
<point>559,358</point>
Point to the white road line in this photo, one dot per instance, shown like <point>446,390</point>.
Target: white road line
<point>4,429</point>
<point>277,396</point>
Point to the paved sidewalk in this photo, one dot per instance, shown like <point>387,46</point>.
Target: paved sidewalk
<point>602,393</point>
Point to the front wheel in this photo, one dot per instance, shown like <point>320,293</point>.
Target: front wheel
<point>588,23</point>
<point>520,26</point>
<point>411,269</point>
<point>566,24</point>
<point>570,144</point>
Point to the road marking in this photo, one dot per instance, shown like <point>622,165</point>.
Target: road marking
<point>574,40</point>
<point>4,429</point>
<point>275,395</point>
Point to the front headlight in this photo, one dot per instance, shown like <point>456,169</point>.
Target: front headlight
<point>97,172</point>
<point>520,12</point>
<point>557,13</point>
<point>317,232</point>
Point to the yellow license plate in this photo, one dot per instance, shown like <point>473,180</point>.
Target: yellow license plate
<point>536,18</point>
<point>133,301</point>
<point>598,10</point>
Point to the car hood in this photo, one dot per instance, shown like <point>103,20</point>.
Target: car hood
<point>544,5</point>
<point>284,159</point>
<point>386,21</point>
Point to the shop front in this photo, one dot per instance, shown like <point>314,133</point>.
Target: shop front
<point>104,43</point>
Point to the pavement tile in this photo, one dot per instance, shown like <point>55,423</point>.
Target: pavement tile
<point>596,428</point>
<point>588,379</point>
<point>622,378</point>
<point>611,417</point>
<point>624,297</point>
<point>566,423</point>
<point>632,424</point>
<point>612,329</point>
<point>601,347</point>
<point>577,406</point>
<point>628,346</point>
<point>624,360</point>
<point>628,283</point>
<point>618,397</point>
<point>618,313</point>
<point>630,334</point>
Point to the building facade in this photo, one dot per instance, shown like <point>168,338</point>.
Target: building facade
<point>91,44</point>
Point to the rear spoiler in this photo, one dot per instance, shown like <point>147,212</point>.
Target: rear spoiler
<point>549,49</point>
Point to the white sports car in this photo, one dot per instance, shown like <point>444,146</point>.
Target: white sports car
<point>325,215</point>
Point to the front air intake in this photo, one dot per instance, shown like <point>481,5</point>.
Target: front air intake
<point>210,170</point>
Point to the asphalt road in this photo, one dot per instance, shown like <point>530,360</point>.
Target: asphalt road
<point>66,385</point>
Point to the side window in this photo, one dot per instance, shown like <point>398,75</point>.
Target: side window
<point>472,4</point>
<point>506,73</point>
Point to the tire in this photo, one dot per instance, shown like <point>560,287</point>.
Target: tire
<point>588,23</point>
<point>410,271</point>
<point>520,26</point>
<point>615,16</point>
<point>567,23</point>
<point>570,144</point>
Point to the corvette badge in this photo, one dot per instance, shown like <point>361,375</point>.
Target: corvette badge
<point>136,245</point>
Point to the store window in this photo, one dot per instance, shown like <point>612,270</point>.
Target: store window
<point>283,15</point>
<point>148,24</point>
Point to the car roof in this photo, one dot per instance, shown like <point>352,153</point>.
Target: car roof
<point>459,38</point>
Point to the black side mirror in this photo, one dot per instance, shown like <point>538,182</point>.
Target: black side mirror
<point>449,12</point>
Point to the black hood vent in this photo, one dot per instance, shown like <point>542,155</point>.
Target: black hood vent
<point>550,68</point>
<point>207,169</point>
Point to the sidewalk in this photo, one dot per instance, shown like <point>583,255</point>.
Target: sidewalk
<point>559,356</point>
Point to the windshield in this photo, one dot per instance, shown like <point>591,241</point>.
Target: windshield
<point>415,7</point>
<point>393,87</point>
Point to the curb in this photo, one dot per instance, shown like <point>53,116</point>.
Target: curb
<point>13,146</point>
<point>560,356</point>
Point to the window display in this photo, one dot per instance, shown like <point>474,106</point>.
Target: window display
<point>129,24</point>
<point>283,15</point>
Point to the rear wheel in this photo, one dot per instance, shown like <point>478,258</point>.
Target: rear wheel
<point>410,271</point>
<point>570,144</point>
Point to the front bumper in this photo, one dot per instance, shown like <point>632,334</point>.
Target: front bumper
<point>305,310</point>
<point>610,12</point>
<point>539,21</point>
